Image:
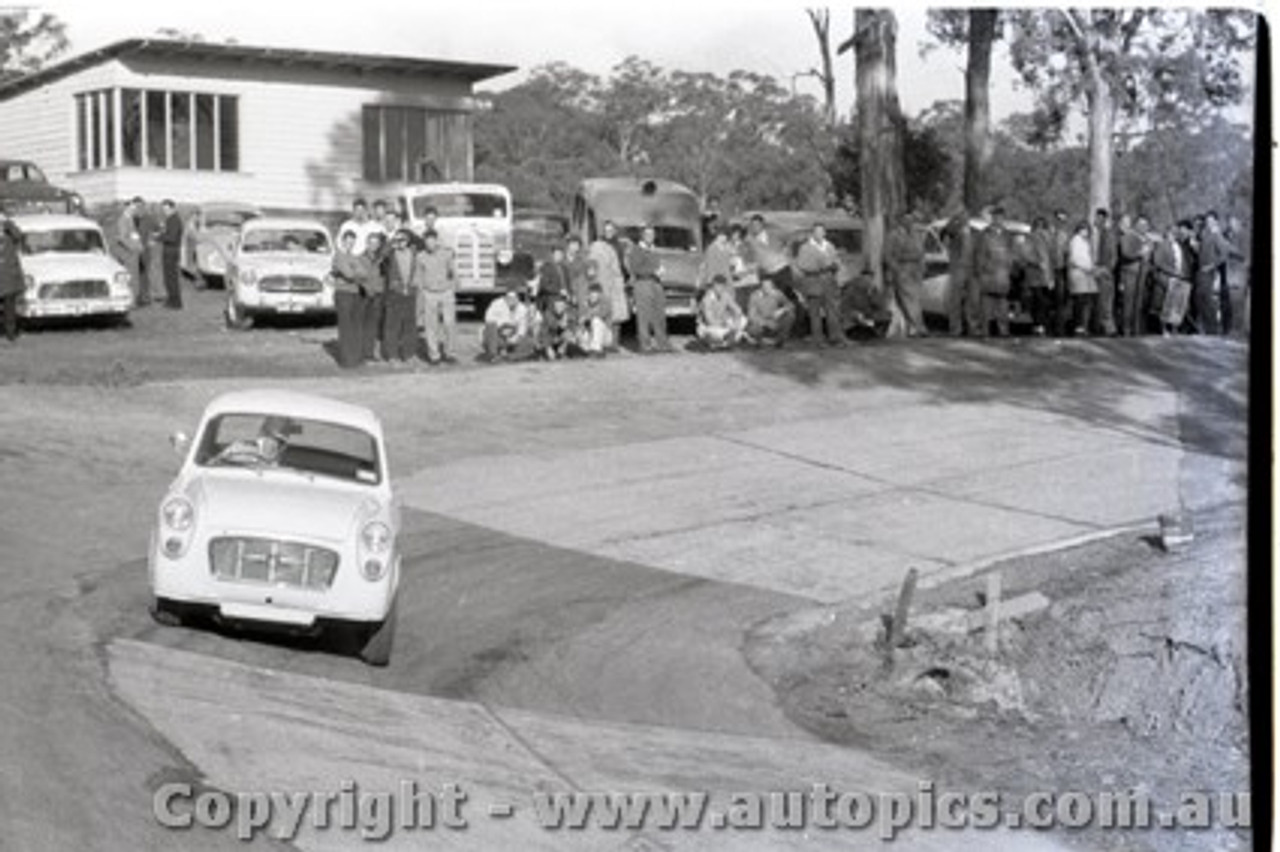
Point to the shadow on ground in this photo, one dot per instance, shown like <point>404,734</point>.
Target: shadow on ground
<point>1091,380</point>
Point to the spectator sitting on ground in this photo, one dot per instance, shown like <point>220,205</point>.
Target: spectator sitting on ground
<point>595,323</point>
<point>556,339</point>
<point>720,320</point>
<point>507,334</point>
<point>770,315</point>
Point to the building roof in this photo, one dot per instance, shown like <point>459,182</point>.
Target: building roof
<point>158,48</point>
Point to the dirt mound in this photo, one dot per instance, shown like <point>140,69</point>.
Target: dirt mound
<point>1130,676</point>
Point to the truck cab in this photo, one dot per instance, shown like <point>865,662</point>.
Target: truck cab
<point>672,209</point>
<point>472,219</point>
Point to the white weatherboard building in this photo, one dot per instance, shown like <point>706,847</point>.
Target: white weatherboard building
<point>289,130</point>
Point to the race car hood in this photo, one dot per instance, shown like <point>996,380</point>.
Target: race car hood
<point>279,504</point>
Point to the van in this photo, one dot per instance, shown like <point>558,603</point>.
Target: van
<point>673,210</point>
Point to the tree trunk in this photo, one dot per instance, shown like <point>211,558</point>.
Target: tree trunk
<point>880,158</point>
<point>1102,120</point>
<point>821,20</point>
<point>977,106</point>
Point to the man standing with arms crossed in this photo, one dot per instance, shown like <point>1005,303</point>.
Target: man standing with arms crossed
<point>439,285</point>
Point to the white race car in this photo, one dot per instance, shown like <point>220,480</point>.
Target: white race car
<point>282,514</point>
<point>67,270</point>
<point>280,266</point>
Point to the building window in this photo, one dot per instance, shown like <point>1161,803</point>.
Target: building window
<point>147,127</point>
<point>403,143</point>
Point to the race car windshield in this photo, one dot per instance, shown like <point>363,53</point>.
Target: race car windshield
<point>70,241</point>
<point>306,446</point>
<point>476,205</point>
<point>300,240</point>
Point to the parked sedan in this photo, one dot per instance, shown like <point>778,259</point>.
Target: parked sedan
<point>67,269</point>
<point>282,515</point>
<point>279,267</point>
<point>209,239</point>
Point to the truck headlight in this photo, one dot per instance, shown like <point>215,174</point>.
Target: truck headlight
<point>178,514</point>
<point>505,256</point>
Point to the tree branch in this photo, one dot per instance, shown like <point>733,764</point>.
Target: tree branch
<point>1129,29</point>
<point>1074,23</point>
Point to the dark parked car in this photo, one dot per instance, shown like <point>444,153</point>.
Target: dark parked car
<point>25,189</point>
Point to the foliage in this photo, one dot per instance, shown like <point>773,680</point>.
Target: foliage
<point>28,41</point>
<point>1164,64</point>
<point>741,136</point>
<point>931,166</point>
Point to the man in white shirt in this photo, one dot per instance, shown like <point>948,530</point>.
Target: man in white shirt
<point>507,334</point>
<point>359,224</point>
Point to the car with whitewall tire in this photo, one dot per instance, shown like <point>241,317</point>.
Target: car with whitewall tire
<point>282,516</point>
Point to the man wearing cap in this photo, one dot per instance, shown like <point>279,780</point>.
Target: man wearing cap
<point>126,247</point>
<point>507,334</point>
<point>651,300</point>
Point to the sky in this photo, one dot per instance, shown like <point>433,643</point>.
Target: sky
<point>769,36</point>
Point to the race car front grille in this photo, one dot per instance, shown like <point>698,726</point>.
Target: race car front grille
<point>272,562</point>
<point>81,289</point>
<point>290,284</point>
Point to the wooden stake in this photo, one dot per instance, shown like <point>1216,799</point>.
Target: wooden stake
<point>898,629</point>
<point>993,612</point>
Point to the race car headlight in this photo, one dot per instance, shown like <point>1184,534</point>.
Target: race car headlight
<point>178,514</point>
<point>376,538</point>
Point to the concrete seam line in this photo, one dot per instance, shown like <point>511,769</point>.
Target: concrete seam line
<point>528,746</point>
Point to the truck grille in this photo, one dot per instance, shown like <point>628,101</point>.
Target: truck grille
<point>272,562</point>
<point>290,284</point>
<point>83,289</point>
<point>475,258</point>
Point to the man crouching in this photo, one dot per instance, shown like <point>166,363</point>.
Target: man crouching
<point>720,320</point>
<point>508,332</point>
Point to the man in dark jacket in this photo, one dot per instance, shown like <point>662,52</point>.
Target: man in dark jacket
<point>11,284</point>
<point>651,300</point>
<point>1106,256</point>
<point>992,264</point>
<point>171,240</point>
